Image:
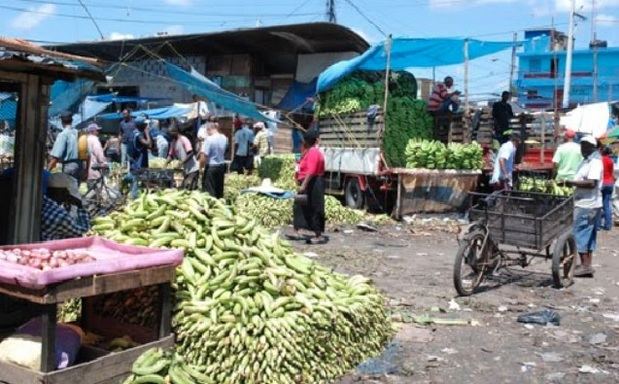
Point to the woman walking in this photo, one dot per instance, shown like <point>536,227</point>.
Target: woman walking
<point>608,186</point>
<point>309,206</point>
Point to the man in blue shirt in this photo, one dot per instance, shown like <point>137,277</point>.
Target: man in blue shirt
<point>212,157</point>
<point>65,149</point>
<point>137,151</point>
<point>243,151</point>
<point>127,126</point>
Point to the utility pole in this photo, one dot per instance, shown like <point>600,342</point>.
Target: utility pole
<point>567,84</point>
<point>595,52</point>
<point>331,11</point>
<point>466,76</point>
<point>513,66</point>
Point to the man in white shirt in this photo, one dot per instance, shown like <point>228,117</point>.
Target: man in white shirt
<point>502,175</point>
<point>587,204</point>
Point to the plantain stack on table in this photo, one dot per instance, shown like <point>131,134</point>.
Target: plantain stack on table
<point>248,309</point>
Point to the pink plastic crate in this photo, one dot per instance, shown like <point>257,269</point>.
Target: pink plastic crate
<point>110,257</point>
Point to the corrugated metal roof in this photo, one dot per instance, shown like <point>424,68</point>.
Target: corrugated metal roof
<point>22,56</point>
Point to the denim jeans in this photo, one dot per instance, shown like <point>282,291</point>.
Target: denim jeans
<point>449,105</point>
<point>586,223</point>
<point>607,217</point>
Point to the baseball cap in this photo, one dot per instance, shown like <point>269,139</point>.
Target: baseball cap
<point>569,134</point>
<point>93,127</point>
<point>589,139</point>
<point>259,125</point>
<point>64,181</point>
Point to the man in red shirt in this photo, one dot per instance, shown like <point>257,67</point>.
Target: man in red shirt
<point>443,98</point>
<point>608,186</point>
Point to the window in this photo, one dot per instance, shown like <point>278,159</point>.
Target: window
<point>532,94</point>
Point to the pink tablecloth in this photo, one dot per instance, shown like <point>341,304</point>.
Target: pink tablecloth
<point>110,257</point>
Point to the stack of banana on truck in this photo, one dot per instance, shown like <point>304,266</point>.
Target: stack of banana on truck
<point>395,161</point>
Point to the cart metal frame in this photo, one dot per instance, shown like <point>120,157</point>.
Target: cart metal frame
<point>511,228</point>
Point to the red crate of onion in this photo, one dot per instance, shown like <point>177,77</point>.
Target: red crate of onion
<point>41,264</point>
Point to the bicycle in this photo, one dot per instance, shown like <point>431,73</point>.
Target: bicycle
<point>100,199</point>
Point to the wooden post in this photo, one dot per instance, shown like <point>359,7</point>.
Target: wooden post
<point>48,338</point>
<point>165,292</point>
<point>29,160</point>
<point>388,44</point>
<point>466,76</point>
<point>543,138</point>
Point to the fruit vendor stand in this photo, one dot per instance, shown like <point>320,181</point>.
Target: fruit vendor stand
<point>107,269</point>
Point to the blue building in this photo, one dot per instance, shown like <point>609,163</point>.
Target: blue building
<point>542,68</point>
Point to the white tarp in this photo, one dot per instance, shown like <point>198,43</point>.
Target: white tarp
<point>590,119</point>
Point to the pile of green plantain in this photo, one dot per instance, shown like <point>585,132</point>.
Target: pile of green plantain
<point>248,309</point>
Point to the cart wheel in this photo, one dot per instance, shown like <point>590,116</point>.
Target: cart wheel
<point>469,266</point>
<point>564,261</point>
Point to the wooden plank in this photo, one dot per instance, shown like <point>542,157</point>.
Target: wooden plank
<point>93,285</point>
<point>103,369</point>
<point>48,338</point>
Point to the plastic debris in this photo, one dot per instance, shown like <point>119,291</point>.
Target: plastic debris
<point>541,317</point>
<point>598,338</point>
<point>453,306</point>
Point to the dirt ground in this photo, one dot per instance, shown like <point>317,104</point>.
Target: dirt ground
<point>413,265</point>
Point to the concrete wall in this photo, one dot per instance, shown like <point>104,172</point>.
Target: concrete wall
<point>310,66</point>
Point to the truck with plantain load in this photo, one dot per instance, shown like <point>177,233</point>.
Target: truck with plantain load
<point>366,157</point>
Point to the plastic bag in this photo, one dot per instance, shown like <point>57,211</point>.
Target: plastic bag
<point>24,347</point>
<point>542,317</point>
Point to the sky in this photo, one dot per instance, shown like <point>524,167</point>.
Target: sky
<point>67,21</point>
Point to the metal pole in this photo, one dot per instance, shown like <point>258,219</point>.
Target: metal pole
<point>567,84</point>
<point>595,52</point>
<point>388,43</point>
<point>513,66</point>
<point>466,76</point>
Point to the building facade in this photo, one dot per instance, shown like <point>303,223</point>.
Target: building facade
<point>542,69</point>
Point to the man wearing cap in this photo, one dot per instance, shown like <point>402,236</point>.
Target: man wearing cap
<point>212,159</point>
<point>65,150</point>
<point>95,151</point>
<point>567,158</point>
<point>180,149</point>
<point>587,204</point>
<point>62,214</point>
<point>502,175</point>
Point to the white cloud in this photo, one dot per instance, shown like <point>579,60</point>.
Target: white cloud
<point>174,30</point>
<point>183,3</point>
<point>33,17</point>
<point>120,36</point>
<point>607,20</point>
<point>366,36</point>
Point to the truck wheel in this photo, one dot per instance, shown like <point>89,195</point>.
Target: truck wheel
<point>354,196</point>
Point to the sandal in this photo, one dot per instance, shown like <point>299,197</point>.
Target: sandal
<point>318,240</point>
<point>295,237</point>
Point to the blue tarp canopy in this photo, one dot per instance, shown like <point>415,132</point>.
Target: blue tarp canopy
<point>196,83</point>
<point>155,113</point>
<point>297,96</point>
<point>65,94</point>
<point>408,53</point>
<point>114,98</point>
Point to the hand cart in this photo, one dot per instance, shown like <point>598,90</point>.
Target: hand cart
<point>512,228</point>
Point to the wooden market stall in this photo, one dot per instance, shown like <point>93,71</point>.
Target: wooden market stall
<point>28,72</point>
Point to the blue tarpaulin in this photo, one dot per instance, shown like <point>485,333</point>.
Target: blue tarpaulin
<point>114,98</point>
<point>155,113</point>
<point>297,96</point>
<point>408,53</point>
<point>200,85</point>
<point>65,94</point>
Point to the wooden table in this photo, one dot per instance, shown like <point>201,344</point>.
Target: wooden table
<point>46,301</point>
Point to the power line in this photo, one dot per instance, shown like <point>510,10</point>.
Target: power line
<point>162,11</point>
<point>92,18</point>
<point>137,21</point>
<point>360,12</point>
